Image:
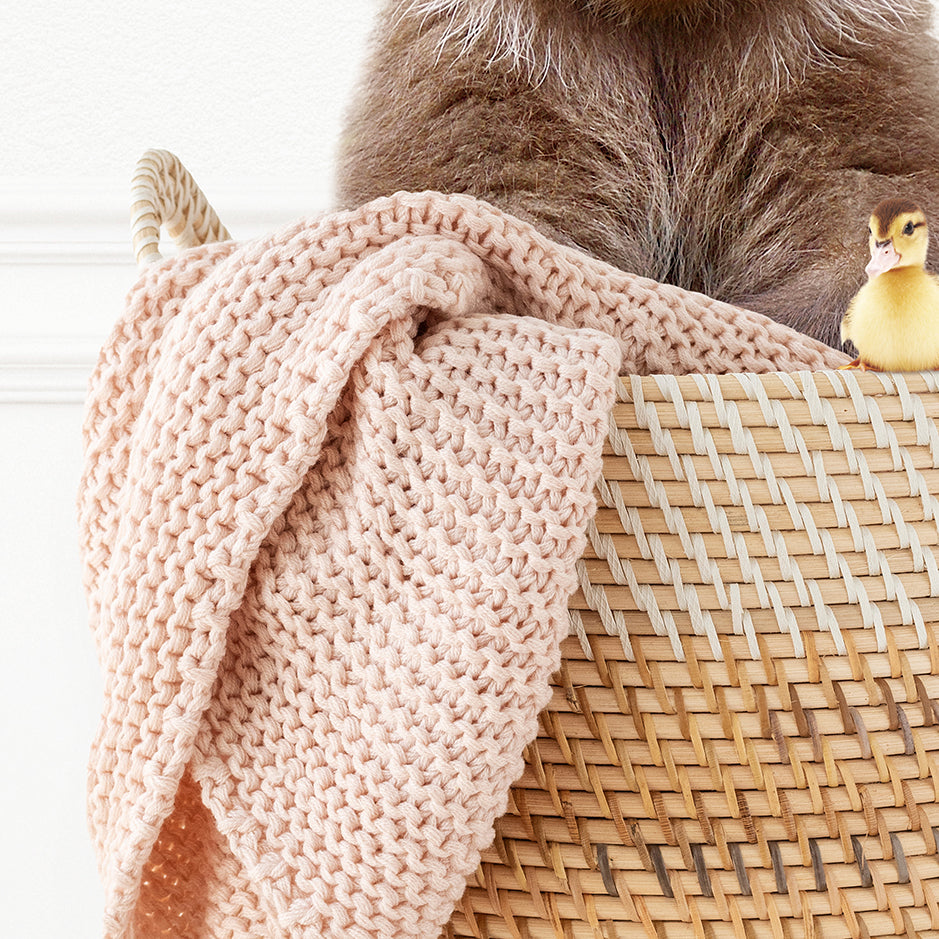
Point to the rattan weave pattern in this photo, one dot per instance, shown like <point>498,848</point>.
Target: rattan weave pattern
<point>743,739</point>
<point>744,734</point>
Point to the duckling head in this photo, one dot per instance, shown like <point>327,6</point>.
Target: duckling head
<point>899,236</point>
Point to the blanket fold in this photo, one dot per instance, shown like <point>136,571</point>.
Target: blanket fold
<point>336,484</point>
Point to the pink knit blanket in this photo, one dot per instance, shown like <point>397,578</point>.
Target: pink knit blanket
<point>336,483</point>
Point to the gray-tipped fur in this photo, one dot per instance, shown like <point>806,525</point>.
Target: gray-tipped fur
<point>734,147</point>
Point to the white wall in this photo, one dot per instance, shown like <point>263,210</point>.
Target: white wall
<point>250,96</point>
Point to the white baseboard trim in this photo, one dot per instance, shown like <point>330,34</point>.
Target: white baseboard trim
<point>59,220</point>
<point>79,220</point>
<point>50,370</point>
<point>58,253</point>
<point>66,240</point>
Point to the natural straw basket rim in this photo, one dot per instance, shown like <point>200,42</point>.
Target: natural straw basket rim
<point>756,416</point>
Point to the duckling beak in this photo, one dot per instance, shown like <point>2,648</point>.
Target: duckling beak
<point>883,257</point>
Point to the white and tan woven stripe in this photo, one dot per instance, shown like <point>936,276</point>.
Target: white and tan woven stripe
<point>662,403</point>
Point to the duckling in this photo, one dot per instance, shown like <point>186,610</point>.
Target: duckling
<point>893,319</point>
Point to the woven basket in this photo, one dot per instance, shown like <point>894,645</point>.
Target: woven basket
<point>744,734</point>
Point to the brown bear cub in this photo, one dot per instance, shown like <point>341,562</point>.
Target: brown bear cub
<point>733,147</point>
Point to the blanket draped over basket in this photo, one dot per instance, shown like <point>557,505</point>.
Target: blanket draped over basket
<point>336,482</point>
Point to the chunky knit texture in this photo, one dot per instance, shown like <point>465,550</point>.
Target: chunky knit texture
<point>336,484</point>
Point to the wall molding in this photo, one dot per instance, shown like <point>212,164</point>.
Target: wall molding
<point>58,253</point>
<point>46,370</point>
<point>68,220</point>
<point>60,220</point>
<point>65,254</point>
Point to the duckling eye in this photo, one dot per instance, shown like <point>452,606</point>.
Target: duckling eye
<point>908,228</point>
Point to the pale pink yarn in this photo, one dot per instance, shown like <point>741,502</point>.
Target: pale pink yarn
<point>336,483</point>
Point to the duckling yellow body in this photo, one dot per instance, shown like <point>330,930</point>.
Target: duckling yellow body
<point>894,321</point>
<point>894,318</point>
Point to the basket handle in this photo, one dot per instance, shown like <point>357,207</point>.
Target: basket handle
<point>164,194</point>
